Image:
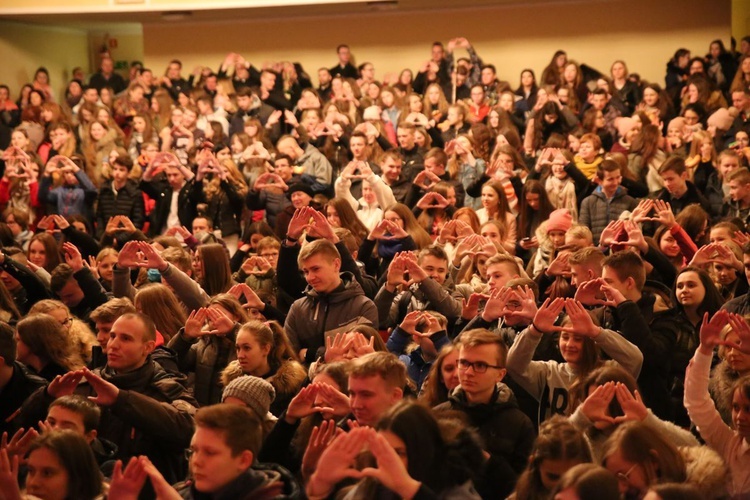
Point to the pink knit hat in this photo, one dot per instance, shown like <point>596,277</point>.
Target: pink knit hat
<point>559,220</point>
<point>624,125</point>
<point>677,123</point>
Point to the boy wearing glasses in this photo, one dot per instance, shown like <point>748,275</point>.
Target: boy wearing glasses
<point>491,409</point>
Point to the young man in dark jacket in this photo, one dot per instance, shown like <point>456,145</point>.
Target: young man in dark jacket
<point>148,412</point>
<point>223,449</point>
<point>120,196</point>
<point>492,410</point>
<point>16,382</point>
<point>333,302</point>
<point>169,212</point>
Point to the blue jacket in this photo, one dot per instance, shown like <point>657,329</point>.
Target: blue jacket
<point>69,200</point>
<point>416,366</point>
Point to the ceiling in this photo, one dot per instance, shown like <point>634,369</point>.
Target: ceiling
<point>326,8</point>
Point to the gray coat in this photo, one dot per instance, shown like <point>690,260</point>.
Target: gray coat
<point>597,211</point>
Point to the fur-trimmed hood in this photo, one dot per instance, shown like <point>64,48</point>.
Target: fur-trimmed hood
<point>720,385</point>
<point>287,379</point>
<point>706,471</point>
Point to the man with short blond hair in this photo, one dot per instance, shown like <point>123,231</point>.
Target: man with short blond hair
<point>333,301</point>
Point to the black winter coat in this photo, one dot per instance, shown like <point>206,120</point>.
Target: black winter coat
<point>128,202</point>
<point>153,416</point>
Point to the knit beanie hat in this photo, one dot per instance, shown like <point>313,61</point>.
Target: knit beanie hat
<point>255,392</point>
<point>559,220</point>
<point>624,125</point>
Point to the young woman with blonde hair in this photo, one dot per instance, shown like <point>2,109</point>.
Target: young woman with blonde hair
<point>79,332</point>
<point>43,346</point>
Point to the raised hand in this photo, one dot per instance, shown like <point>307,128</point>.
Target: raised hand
<point>611,232</point>
<point>333,399</point>
<point>397,272</point>
<point>72,256</point>
<point>470,308</point>
<point>560,266</point>
<point>641,212</point>
<point>426,179</point>
<point>742,329</point>
<point>632,405</point>
<point>416,273</point>
<point>710,332</point>
<point>447,232</point>
<point>252,301</point>
<point>299,223</point>
<point>527,311</point>
<point>664,214</point>
<point>319,227</point>
<point>127,484</point>
<point>320,438</point>
<point>106,392</point>
<point>19,443</point>
<point>64,385</point>
<point>591,293</point>
<point>396,231</point>
<point>163,490</point>
<point>336,347</point>
<point>303,404</point>
<point>545,317</point>
<point>220,323</point>
<point>582,324</point>
<point>336,462</point>
<point>741,238</point>
<point>596,405</point>
<point>361,345</point>
<point>60,221</point>
<point>9,476</point>
<point>391,471</point>
<point>151,258</point>
<point>635,237</point>
<point>195,322</point>
<point>130,255</point>
<point>410,322</point>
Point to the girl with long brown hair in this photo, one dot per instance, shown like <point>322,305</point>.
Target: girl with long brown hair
<point>264,350</point>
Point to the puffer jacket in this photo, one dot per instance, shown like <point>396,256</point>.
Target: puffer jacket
<point>505,430</point>
<point>597,211</point>
<point>507,434</point>
<point>128,202</point>
<point>428,294</point>
<point>286,380</point>
<point>316,316</point>
<point>206,357</point>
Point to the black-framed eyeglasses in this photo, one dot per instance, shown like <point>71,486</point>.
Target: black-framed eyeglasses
<point>478,366</point>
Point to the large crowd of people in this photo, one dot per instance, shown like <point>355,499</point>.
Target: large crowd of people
<point>436,284</point>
